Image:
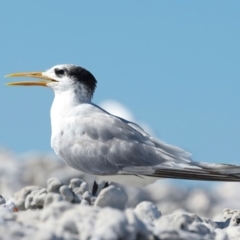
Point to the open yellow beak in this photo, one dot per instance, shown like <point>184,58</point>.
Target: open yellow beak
<point>30,83</point>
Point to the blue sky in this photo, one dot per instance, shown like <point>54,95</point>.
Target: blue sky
<point>174,64</point>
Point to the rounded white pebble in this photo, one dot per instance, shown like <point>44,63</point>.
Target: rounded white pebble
<point>66,193</point>
<point>75,183</point>
<point>53,185</point>
<point>51,198</point>
<point>147,211</point>
<point>35,199</point>
<point>87,195</point>
<point>112,197</point>
<point>21,196</point>
<point>81,189</point>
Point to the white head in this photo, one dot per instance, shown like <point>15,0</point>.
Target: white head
<point>63,78</point>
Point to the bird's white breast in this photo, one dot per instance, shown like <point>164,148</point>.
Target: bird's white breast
<point>67,131</point>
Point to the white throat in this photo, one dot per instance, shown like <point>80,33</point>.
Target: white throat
<point>64,103</point>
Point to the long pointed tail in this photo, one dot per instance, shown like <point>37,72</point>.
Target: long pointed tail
<point>201,171</point>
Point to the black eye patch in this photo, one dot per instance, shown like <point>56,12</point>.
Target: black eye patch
<point>59,72</point>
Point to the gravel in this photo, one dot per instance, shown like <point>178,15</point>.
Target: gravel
<point>44,199</point>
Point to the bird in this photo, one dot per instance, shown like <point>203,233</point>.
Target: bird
<point>106,146</point>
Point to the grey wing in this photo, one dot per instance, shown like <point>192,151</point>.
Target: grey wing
<point>181,166</point>
<point>107,145</point>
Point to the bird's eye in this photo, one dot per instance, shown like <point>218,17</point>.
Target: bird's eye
<point>59,72</point>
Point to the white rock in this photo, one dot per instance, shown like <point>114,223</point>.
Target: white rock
<point>81,189</point>
<point>53,185</point>
<point>87,195</point>
<point>110,224</point>
<point>66,193</point>
<point>75,183</point>
<point>77,198</point>
<point>111,197</point>
<point>20,196</point>
<point>220,234</point>
<point>35,199</point>
<point>235,219</point>
<point>137,229</point>
<point>147,211</point>
<point>52,198</point>
<point>54,210</point>
<point>233,232</point>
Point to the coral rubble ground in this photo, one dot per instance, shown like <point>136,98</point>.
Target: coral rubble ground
<point>43,199</point>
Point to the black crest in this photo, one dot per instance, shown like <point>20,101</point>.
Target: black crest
<point>84,76</point>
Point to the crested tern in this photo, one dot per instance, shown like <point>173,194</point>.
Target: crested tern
<point>98,143</point>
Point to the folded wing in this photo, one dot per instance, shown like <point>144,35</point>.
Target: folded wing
<point>108,145</point>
